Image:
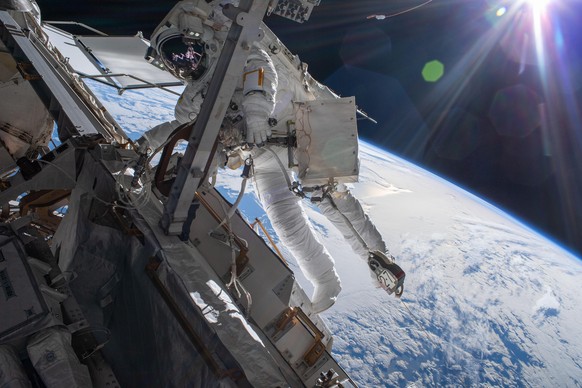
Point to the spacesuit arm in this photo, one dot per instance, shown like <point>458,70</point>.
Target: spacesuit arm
<point>259,90</point>
<point>157,136</point>
<point>186,110</point>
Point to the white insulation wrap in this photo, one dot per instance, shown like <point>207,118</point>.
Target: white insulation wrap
<point>327,141</point>
<point>147,335</point>
<point>294,229</point>
<point>12,373</point>
<point>54,359</point>
<point>188,274</point>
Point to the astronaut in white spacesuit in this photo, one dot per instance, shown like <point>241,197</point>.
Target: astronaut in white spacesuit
<point>189,48</point>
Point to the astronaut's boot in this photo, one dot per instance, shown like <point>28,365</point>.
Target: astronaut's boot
<point>387,274</point>
<point>326,291</point>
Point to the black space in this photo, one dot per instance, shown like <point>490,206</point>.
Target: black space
<point>479,125</point>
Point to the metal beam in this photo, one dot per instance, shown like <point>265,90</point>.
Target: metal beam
<point>202,142</point>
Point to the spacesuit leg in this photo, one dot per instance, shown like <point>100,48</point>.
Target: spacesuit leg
<point>351,208</point>
<point>54,359</point>
<point>295,232</point>
<point>12,373</point>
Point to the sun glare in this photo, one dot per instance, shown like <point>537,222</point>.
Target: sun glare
<point>538,4</point>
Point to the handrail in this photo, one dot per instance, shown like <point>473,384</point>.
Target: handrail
<point>275,247</point>
<point>57,22</point>
<point>122,89</point>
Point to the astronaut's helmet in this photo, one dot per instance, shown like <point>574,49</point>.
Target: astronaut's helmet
<point>185,58</point>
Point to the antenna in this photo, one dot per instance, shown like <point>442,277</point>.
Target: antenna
<point>387,16</point>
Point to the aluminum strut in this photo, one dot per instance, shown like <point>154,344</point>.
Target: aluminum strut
<point>202,142</point>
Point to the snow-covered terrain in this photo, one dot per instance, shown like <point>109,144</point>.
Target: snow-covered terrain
<point>487,301</point>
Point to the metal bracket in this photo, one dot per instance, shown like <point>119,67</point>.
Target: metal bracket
<point>292,316</point>
<point>28,72</point>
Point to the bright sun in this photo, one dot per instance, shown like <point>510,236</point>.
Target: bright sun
<point>539,4</point>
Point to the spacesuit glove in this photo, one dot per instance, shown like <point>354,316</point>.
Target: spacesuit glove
<point>258,130</point>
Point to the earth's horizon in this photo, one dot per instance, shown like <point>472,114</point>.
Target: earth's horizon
<point>487,301</point>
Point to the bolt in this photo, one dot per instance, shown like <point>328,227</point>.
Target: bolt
<point>50,356</point>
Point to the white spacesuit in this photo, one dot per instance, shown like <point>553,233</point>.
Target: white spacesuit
<point>255,105</point>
